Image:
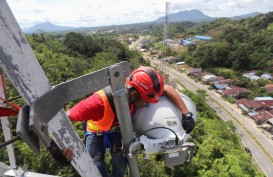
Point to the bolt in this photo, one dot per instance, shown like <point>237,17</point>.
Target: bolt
<point>43,127</point>
<point>116,74</point>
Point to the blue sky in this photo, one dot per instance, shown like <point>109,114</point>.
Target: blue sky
<point>90,13</point>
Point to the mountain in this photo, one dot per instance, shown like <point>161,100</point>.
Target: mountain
<point>47,27</point>
<point>194,15</point>
<point>245,16</point>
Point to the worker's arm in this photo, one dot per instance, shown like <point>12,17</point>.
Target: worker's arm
<point>90,108</point>
<point>187,121</point>
<point>175,98</point>
<point>63,156</point>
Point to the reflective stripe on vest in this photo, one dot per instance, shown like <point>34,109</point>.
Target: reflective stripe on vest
<point>107,121</point>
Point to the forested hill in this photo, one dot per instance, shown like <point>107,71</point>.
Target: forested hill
<point>240,45</point>
<point>219,150</point>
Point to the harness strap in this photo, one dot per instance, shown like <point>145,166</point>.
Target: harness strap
<point>109,95</point>
<point>106,140</point>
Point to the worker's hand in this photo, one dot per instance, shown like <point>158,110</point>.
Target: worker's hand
<point>63,156</point>
<point>188,122</point>
<point>68,154</point>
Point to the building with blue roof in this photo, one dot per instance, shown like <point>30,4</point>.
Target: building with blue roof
<point>186,42</point>
<point>263,98</point>
<point>203,38</point>
<point>266,76</point>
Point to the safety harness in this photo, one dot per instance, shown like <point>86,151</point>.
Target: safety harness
<point>113,130</point>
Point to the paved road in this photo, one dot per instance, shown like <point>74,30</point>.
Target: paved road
<point>227,112</point>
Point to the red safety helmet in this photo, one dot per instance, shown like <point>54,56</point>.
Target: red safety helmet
<point>148,82</point>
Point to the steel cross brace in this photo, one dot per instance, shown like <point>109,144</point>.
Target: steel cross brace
<point>32,122</point>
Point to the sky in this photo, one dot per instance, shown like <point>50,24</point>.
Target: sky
<point>92,13</point>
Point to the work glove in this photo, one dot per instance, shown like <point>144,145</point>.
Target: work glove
<point>188,122</point>
<point>57,153</point>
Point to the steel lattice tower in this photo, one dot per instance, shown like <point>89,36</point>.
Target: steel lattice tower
<point>165,31</point>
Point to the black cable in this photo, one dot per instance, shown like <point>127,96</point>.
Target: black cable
<point>14,98</point>
<point>9,141</point>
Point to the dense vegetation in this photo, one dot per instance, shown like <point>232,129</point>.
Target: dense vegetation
<point>237,46</point>
<point>240,45</point>
<point>219,150</point>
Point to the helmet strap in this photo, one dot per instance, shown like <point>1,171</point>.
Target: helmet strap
<point>132,98</point>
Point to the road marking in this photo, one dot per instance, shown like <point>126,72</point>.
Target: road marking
<point>258,154</point>
<point>268,168</point>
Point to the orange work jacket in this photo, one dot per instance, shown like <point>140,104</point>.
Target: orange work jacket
<point>108,119</point>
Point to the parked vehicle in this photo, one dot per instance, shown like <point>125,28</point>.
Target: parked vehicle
<point>248,151</point>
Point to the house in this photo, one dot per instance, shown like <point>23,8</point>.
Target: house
<point>187,43</point>
<point>203,38</point>
<point>170,59</point>
<point>268,104</point>
<point>251,75</point>
<point>209,78</point>
<point>263,98</point>
<point>180,63</point>
<point>262,117</point>
<point>225,81</point>
<point>148,37</point>
<point>145,42</point>
<point>234,91</point>
<point>206,73</point>
<point>143,50</point>
<point>268,87</point>
<point>266,76</point>
<point>249,105</point>
<point>222,84</point>
<point>219,78</point>
<point>194,71</point>
<point>254,78</point>
<point>172,43</point>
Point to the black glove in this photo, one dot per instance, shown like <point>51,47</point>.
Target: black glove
<point>57,153</point>
<point>188,122</point>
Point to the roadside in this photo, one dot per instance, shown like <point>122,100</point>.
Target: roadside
<point>234,107</point>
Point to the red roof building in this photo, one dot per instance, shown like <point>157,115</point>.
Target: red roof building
<point>248,105</point>
<point>269,87</point>
<point>262,117</point>
<point>220,78</point>
<point>267,103</point>
<point>235,91</point>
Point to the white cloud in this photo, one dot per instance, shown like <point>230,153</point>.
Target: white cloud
<point>104,12</point>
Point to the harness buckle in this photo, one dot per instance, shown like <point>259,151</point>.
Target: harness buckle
<point>115,129</point>
<point>98,133</point>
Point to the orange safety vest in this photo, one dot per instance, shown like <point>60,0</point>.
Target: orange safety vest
<point>108,118</point>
